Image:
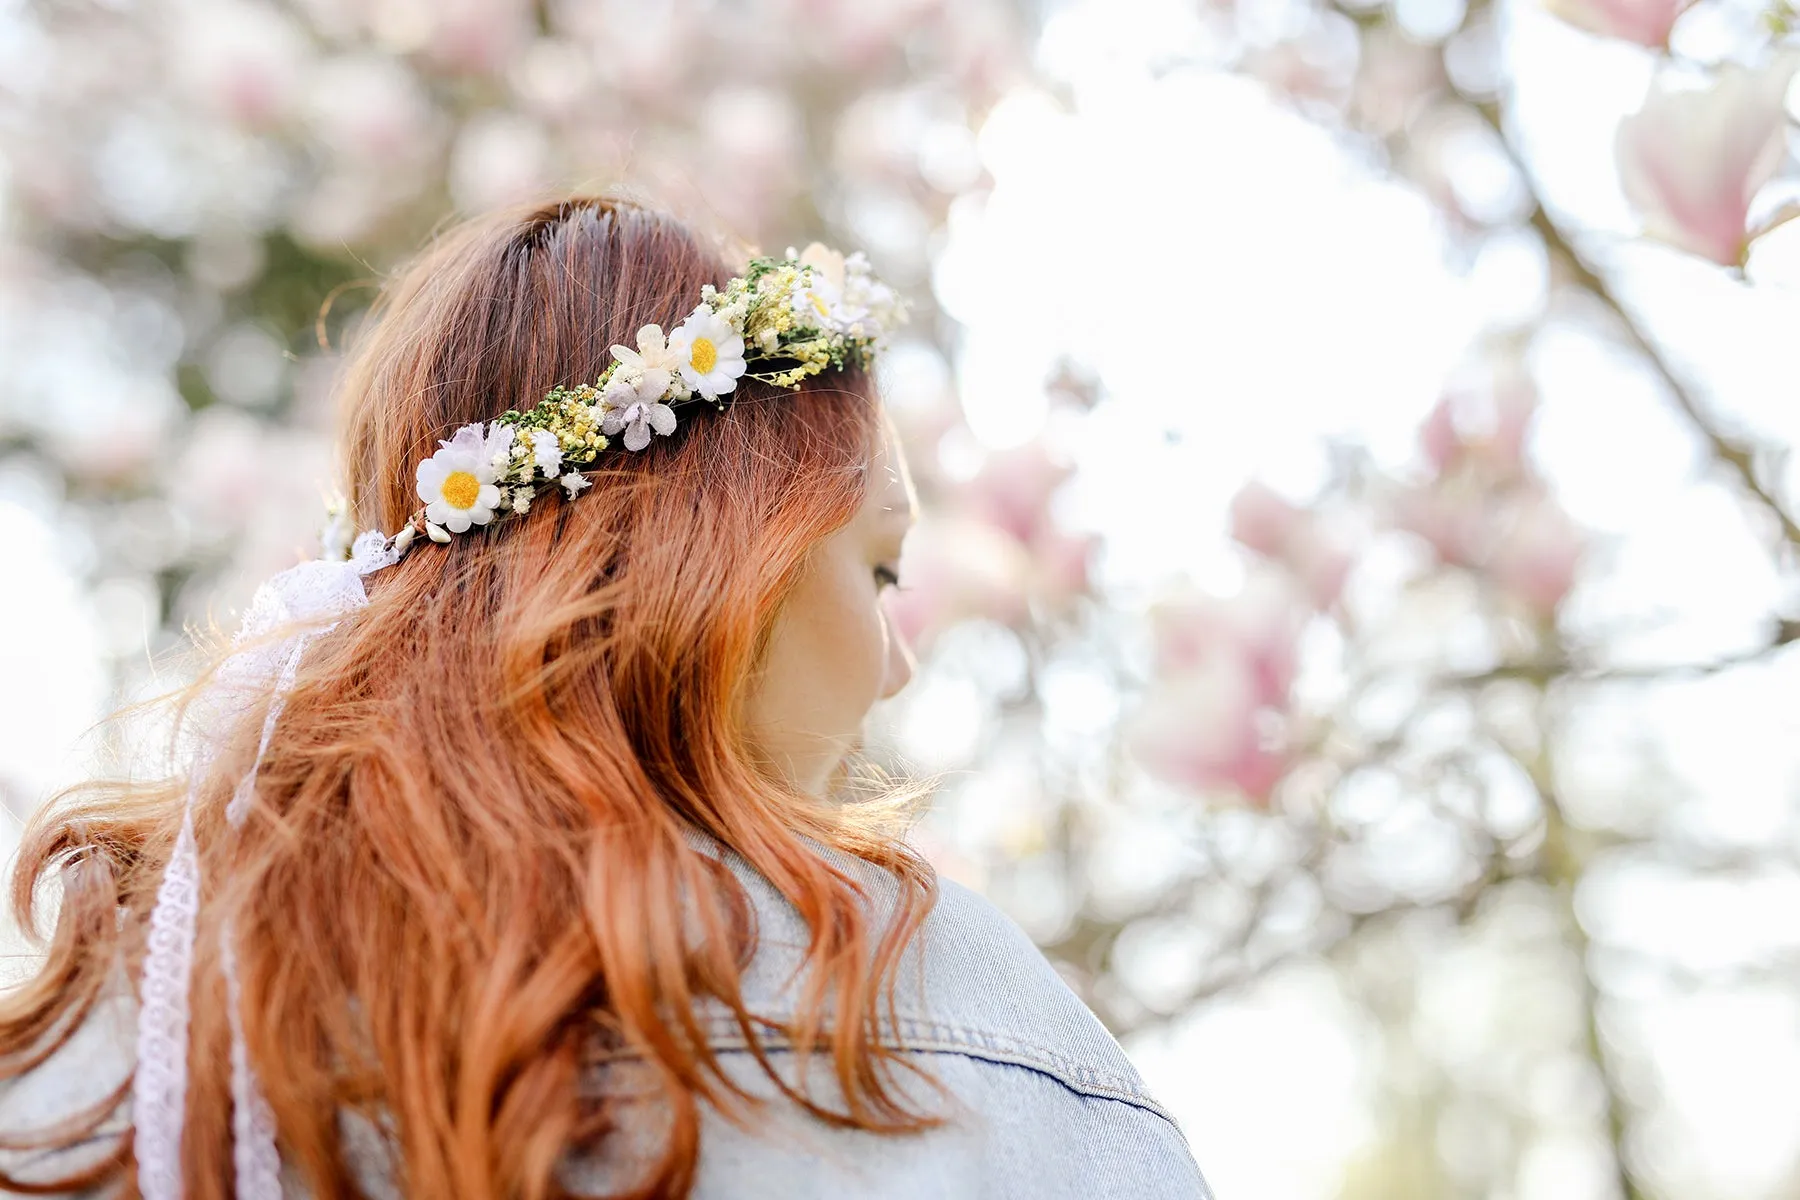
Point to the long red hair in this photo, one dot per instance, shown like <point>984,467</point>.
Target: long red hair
<point>471,859</point>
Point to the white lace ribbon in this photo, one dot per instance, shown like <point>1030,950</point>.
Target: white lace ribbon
<point>307,594</point>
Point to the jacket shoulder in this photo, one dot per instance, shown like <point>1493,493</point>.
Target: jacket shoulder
<point>970,982</point>
<point>986,989</point>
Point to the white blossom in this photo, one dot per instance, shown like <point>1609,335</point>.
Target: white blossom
<point>637,420</point>
<point>546,452</point>
<point>708,353</point>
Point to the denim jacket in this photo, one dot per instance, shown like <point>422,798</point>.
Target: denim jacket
<point>1038,1098</point>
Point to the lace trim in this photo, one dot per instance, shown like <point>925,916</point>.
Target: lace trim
<point>239,805</point>
<point>252,1124</point>
<point>159,1086</point>
<point>306,592</point>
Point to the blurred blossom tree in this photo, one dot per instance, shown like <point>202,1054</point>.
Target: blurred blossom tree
<point>200,193</point>
<point>1397,697</point>
<point>1363,756</point>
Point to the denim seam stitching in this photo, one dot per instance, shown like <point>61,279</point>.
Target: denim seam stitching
<point>924,1034</point>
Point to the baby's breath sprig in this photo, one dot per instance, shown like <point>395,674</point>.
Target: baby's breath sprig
<point>571,415</point>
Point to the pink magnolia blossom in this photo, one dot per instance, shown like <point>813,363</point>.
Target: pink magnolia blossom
<point>954,568</point>
<point>1321,565</point>
<point>1438,437</point>
<point>1259,627</point>
<point>1264,521</point>
<point>1011,495</point>
<point>1450,514</point>
<point>1515,405</point>
<point>1013,489</point>
<point>1691,161</point>
<point>1538,556</point>
<point>1509,402</point>
<point>1203,729</point>
<point>1645,22</point>
<point>1060,566</point>
<point>1222,690</point>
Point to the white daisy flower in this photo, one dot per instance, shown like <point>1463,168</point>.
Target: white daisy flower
<point>650,366</point>
<point>815,300</point>
<point>546,451</point>
<point>457,483</point>
<point>834,297</point>
<point>637,420</point>
<point>708,353</point>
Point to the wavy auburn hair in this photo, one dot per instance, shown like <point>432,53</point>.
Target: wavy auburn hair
<point>471,862</point>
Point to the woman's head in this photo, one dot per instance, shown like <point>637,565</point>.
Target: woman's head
<point>781,516</point>
<point>482,831</point>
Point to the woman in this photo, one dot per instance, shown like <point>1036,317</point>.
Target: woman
<point>536,874</point>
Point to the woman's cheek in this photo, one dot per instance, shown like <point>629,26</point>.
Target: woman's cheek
<point>862,640</point>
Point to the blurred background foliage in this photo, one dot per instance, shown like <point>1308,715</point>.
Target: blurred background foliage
<point>1421,816</point>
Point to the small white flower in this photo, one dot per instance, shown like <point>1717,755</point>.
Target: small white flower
<point>769,339</point>
<point>823,300</point>
<point>546,452</point>
<point>650,366</point>
<point>499,443</point>
<point>637,420</point>
<point>620,390</point>
<point>815,301</point>
<point>457,483</point>
<point>824,261</point>
<point>521,500</point>
<point>574,481</point>
<point>707,352</point>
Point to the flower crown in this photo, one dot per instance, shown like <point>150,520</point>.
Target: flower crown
<point>806,312</point>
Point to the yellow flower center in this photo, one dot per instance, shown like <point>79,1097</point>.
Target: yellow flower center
<point>704,355</point>
<point>461,489</point>
<point>819,304</point>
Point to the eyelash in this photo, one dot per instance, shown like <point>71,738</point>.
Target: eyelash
<point>883,577</point>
